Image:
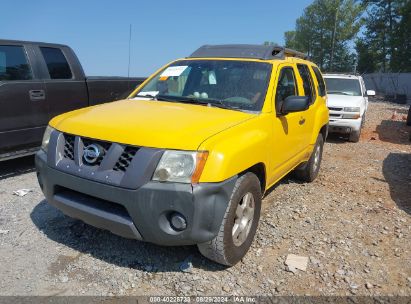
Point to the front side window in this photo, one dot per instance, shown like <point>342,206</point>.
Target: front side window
<point>308,84</point>
<point>286,87</point>
<point>56,63</point>
<point>233,84</point>
<point>343,86</point>
<point>13,63</point>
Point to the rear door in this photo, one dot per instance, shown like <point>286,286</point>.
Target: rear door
<point>307,119</point>
<point>24,111</point>
<point>64,79</point>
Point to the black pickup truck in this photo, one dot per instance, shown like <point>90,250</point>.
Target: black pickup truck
<point>39,81</point>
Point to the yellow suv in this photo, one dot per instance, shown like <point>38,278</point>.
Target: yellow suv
<point>187,157</point>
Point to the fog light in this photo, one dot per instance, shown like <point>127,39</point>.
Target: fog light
<point>178,222</point>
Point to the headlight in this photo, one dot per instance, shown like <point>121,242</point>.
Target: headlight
<point>352,109</point>
<point>180,166</point>
<point>46,138</point>
<point>351,116</point>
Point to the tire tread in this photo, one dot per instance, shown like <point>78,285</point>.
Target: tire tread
<point>215,249</point>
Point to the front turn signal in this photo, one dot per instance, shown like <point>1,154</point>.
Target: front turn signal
<point>200,163</point>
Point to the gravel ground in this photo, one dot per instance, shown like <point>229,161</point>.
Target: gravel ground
<point>353,223</point>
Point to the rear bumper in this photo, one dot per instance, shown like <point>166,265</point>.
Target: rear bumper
<point>142,213</point>
<point>344,125</point>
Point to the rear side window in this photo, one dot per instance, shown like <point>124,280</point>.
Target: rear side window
<point>286,87</point>
<point>320,80</point>
<point>13,63</point>
<point>307,81</point>
<point>56,63</point>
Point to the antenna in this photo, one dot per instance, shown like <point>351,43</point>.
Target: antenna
<point>129,58</point>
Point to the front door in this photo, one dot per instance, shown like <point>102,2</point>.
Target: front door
<point>24,111</point>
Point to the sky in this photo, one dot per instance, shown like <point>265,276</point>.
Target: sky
<point>98,31</point>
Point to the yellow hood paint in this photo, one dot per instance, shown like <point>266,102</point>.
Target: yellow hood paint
<point>150,123</point>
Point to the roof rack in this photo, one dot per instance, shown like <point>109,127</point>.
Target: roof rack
<point>341,73</point>
<point>264,52</point>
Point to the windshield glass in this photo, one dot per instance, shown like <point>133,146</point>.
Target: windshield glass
<point>343,86</point>
<point>230,84</point>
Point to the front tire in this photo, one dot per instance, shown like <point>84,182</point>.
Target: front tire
<point>239,224</point>
<point>355,136</point>
<point>309,171</point>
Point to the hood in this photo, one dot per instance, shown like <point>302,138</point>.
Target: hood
<point>336,100</point>
<point>149,123</point>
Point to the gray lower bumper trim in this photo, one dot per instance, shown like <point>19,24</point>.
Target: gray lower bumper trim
<point>92,214</point>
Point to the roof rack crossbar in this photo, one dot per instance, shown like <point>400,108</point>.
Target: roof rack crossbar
<point>264,52</point>
<point>286,52</point>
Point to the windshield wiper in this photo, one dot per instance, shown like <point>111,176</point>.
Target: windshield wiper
<point>152,97</point>
<point>220,103</point>
<point>211,102</point>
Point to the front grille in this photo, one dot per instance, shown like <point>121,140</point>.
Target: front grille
<point>335,115</point>
<point>125,159</point>
<point>335,109</point>
<point>69,146</point>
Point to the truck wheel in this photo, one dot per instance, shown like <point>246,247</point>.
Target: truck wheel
<point>409,117</point>
<point>354,136</point>
<point>239,224</point>
<point>309,171</point>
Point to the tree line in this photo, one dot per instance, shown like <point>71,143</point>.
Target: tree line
<point>355,35</point>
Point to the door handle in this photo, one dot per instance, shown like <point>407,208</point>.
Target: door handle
<point>36,95</point>
<point>302,121</point>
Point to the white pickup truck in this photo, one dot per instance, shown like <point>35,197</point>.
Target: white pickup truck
<point>348,103</point>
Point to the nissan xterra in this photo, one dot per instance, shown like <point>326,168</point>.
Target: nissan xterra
<point>188,156</point>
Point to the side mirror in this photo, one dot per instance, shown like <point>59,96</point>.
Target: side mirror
<point>370,93</point>
<point>295,104</point>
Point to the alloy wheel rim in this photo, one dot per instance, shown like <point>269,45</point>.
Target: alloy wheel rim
<point>243,219</point>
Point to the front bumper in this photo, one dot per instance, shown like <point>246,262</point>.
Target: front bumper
<point>142,213</point>
<point>344,125</point>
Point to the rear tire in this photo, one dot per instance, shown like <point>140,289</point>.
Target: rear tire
<point>239,224</point>
<point>309,171</point>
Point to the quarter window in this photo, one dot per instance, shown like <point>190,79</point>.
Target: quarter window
<point>56,63</point>
<point>13,63</point>
<point>320,80</point>
<point>286,87</point>
<point>307,81</point>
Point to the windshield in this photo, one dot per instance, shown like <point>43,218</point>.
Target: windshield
<point>230,84</point>
<point>343,86</point>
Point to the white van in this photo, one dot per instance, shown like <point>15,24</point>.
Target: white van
<point>347,102</point>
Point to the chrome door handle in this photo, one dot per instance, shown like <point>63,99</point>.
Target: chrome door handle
<point>36,95</point>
